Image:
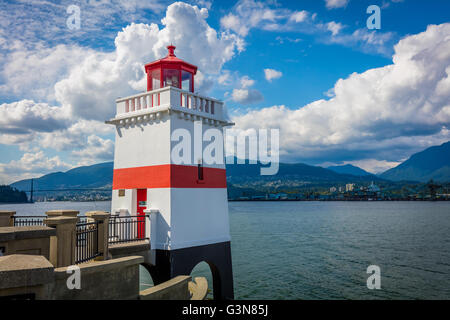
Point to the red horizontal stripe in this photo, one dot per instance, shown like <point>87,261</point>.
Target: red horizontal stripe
<point>168,176</point>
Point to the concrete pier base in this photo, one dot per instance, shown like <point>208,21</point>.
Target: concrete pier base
<point>172,263</point>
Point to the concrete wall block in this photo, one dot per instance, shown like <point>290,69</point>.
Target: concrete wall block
<point>174,289</point>
<point>6,218</point>
<point>101,280</point>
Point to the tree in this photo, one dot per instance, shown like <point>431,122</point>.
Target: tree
<point>432,187</point>
<point>12,195</point>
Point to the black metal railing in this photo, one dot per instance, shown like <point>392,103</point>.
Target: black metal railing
<point>25,221</point>
<point>83,219</point>
<point>127,229</point>
<point>86,241</point>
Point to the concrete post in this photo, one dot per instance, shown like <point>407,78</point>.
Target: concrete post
<point>62,246</point>
<point>102,218</point>
<point>62,213</point>
<point>6,218</point>
<point>153,212</point>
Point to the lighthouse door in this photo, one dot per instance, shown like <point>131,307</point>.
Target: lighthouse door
<point>141,206</point>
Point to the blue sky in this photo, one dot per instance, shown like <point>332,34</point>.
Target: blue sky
<point>338,92</point>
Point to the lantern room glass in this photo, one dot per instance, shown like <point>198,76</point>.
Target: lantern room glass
<point>156,79</point>
<point>170,72</point>
<point>171,78</point>
<point>186,80</point>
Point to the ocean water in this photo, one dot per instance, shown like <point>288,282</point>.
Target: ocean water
<point>321,250</point>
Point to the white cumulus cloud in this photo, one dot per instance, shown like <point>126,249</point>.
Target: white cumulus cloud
<point>244,94</point>
<point>82,83</point>
<point>25,117</point>
<point>334,27</point>
<point>30,165</point>
<point>248,14</point>
<point>87,81</point>
<point>333,4</point>
<point>91,88</point>
<point>32,126</point>
<point>271,16</point>
<point>299,16</point>
<point>383,113</point>
<point>96,149</point>
<point>33,72</point>
<point>271,74</point>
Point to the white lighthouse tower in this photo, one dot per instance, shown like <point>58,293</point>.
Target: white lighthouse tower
<point>191,222</point>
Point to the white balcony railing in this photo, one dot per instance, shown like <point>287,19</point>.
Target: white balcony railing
<point>170,98</point>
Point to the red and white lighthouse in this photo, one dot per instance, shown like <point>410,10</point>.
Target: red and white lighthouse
<point>191,222</point>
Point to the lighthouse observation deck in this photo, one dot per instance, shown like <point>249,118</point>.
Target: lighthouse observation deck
<point>150,105</point>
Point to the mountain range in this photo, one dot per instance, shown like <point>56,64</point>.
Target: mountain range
<point>432,163</point>
<point>100,176</point>
<point>95,176</point>
<point>349,169</point>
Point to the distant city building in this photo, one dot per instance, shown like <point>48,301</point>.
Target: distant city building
<point>373,188</point>
<point>349,187</point>
<point>282,196</point>
<point>341,189</point>
<point>258,197</point>
<point>333,189</point>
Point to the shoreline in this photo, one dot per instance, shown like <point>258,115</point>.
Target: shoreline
<point>266,200</point>
<point>331,200</point>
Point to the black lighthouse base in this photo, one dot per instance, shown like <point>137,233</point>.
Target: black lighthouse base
<point>172,263</point>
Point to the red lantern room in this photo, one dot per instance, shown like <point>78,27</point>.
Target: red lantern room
<point>170,71</point>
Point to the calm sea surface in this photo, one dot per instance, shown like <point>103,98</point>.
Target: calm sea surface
<point>321,250</point>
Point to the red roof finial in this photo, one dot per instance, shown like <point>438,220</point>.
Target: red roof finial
<point>171,49</point>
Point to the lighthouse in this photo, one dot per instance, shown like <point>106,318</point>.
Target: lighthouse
<point>187,201</point>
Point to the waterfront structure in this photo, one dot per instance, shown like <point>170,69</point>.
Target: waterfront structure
<point>349,187</point>
<point>187,202</point>
<point>373,188</point>
<point>38,253</point>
